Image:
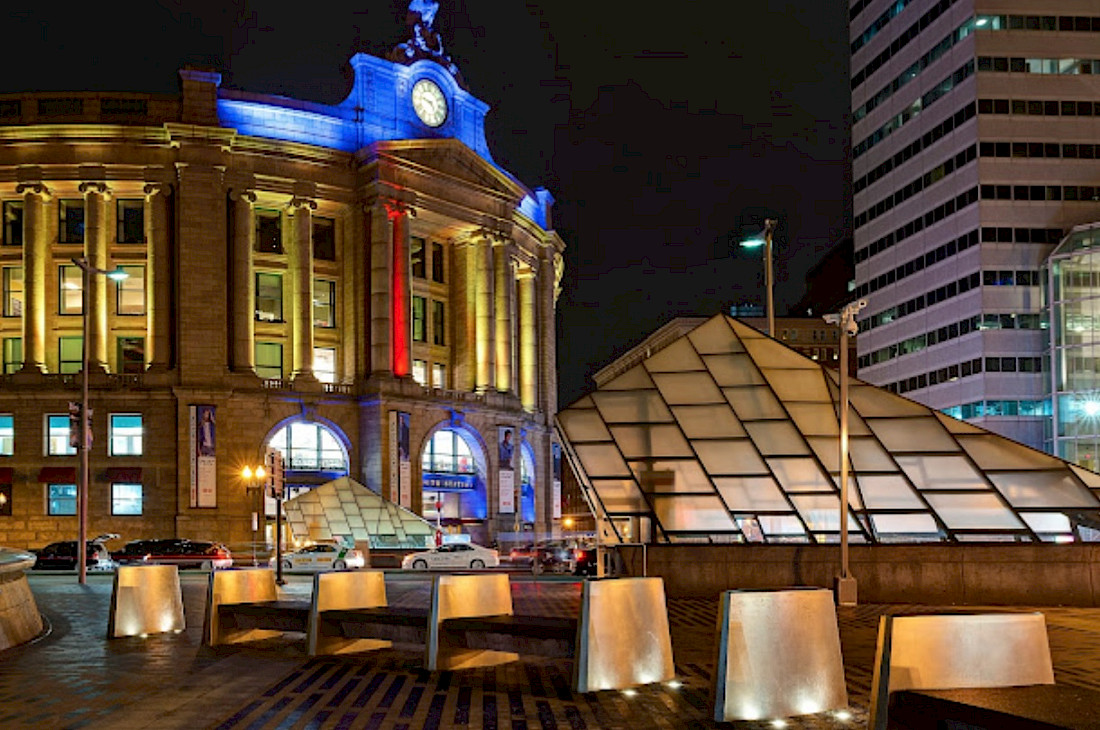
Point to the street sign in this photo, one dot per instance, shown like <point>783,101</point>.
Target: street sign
<point>275,463</point>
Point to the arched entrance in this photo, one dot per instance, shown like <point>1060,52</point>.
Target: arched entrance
<point>314,452</point>
<point>453,485</point>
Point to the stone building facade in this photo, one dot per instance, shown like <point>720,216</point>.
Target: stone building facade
<point>359,286</point>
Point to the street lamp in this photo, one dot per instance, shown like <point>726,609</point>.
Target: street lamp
<point>769,282</point>
<point>846,320</point>
<point>87,271</point>
<point>254,478</point>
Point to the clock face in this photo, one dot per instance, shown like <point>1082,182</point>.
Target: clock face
<point>429,103</point>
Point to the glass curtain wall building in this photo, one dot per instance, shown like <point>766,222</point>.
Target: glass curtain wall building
<point>726,435</point>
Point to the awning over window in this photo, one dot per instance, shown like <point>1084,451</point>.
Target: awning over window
<point>6,474</point>
<point>127,474</point>
<point>57,475</point>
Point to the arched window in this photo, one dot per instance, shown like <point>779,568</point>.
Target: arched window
<point>448,453</point>
<point>310,446</point>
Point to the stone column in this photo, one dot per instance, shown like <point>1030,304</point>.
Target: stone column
<point>528,343</point>
<point>380,262</point>
<point>505,292</point>
<point>95,251</point>
<point>463,313</point>
<point>485,315</point>
<point>158,278</point>
<point>547,367</point>
<point>243,282</point>
<point>35,261</point>
<point>400,289</point>
<point>301,287</point>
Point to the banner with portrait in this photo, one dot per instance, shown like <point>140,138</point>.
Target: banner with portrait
<point>400,459</point>
<point>204,464</point>
<point>506,456</point>
<point>555,495</point>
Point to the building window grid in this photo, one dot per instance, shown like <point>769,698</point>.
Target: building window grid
<point>70,228</point>
<point>438,264</point>
<point>127,434</point>
<point>269,360</point>
<point>130,292</point>
<point>13,291</point>
<point>324,239</point>
<point>7,434</point>
<point>61,500</point>
<point>57,436</point>
<point>70,290</point>
<point>13,354</point>
<point>324,303</point>
<point>439,323</point>
<point>269,231</point>
<point>130,219</point>
<point>269,297</point>
<point>131,355</point>
<point>127,499</point>
<point>417,256</point>
<point>70,354</point>
<point>419,322</point>
<point>13,223</point>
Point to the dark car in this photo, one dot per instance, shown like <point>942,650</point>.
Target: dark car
<point>63,555</point>
<point>584,561</point>
<point>175,551</point>
<point>554,557</point>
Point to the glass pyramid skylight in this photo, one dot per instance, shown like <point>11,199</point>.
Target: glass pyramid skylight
<point>726,435</point>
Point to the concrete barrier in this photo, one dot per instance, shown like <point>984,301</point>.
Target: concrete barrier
<point>20,620</point>
<point>237,585</point>
<point>778,655</point>
<point>466,596</point>
<point>145,599</point>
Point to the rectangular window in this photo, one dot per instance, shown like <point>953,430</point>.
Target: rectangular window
<point>126,434</point>
<point>69,354</point>
<point>439,375</point>
<point>420,371</point>
<point>439,324</point>
<point>437,262</point>
<point>13,223</point>
<point>131,221</point>
<point>126,499</point>
<point>13,354</point>
<point>70,224</point>
<point>57,436</point>
<point>130,291</point>
<point>60,500</point>
<point>269,360</point>
<point>269,231</point>
<point>131,355</point>
<point>419,326</point>
<point>324,303</point>
<point>13,291</point>
<point>7,435</point>
<point>324,364</point>
<point>269,297</point>
<point>418,255</point>
<point>70,290</point>
<point>324,239</point>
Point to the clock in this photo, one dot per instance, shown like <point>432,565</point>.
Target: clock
<point>429,103</point>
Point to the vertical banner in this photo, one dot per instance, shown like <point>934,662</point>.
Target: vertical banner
<point>204,465</point>
<point>393,461</point>
<point>555,496</point>
<point>506,449</point>
<point>404,465</point>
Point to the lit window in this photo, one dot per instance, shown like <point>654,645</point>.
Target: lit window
<point>420,371</point>
<point>269,235</point>
<point>131,221</point>
<point>131,291</point>
<point>418,255</point>
<point>70,296</point>
<point>269,360</point>
<point>324,364</point>
<point>57,436</point>
<point>13,223</point>
<point>69,355</point>
<point>310,447</point>
<point>439,375</point>
<point>126,434</point>
<point>13,291</point>
<point>448,453</point>
<point>269,297</point>
<point>126,499</point>
<point>324,303</point>
<point>7,435</point>
<point>324,239</point>
<point>60,499</point>
<point>131,355</point>
<point>439,324</point>
<point>70,227</point>
<point>13,354</point>
<point>419,326</point>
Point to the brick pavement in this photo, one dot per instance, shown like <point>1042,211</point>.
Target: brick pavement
<point>75,678</point>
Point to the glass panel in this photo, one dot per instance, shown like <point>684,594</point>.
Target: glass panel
<point>749,494</point>
<point>820,511</point>
<point>751,404</point>
<point>634,379</point>
<point>131,221</point>
<point>780,525</point>
<point>324,364</point>
<point>269,297</point>
<point>641,442</point>
<point>687,388</point>
<point>69,354</point>
<point>324,239</point>
<point>731,456</point>
<point>816,419</point>
<point>126,434</point>
<point>602,460</point>
<point>871,401</point>
<point>800,475</point>
<point>912,434</point>
<point>828,451</point>
<point>769,353</point>
<point>867,455</point>
<point>798,385</point>
<point>941,472</point>
<point>7,435</point>
<point>1047,521</point>
<point>620,495</point>
<point>776,438</point>
<point>1091,479</point>
<point>71,290</point>
<point>732,370</point>
<point>671,476</point>
<point>696,514</point>
<point>57,439</point>
<point>956,426</point>
<point>1042,489</point>
<point>61,499</point>
<point>714,337</point>
<point>995,452</point>
<point>973,511</point>
<point>640,406</point>
<point>916,524</point>
<point>324,303</point>
<point>126,499</point>
<point>677,357</point>
<point>269,360</point>
<point>708,421</point>
<point>583,425</point>
<point>887,492</point>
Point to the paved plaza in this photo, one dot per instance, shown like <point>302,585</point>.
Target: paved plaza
<point>75,678</point>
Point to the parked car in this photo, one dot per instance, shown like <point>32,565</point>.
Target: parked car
<point>175,551</point>
<point>554,557</point>
<point>455,555</point>
<point>584,560</point>
<point>522,554</point>
<point>63,556</point>
<point>324,556</point>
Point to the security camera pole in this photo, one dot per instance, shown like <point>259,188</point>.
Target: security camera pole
<point>846,319</point>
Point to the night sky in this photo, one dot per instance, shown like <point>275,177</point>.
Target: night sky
<point>664,132</point>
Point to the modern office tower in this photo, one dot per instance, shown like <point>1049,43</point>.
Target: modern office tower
<point>974,151</point>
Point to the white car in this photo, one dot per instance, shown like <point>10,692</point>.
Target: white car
<point>454,556</point>
<point>324,556</point>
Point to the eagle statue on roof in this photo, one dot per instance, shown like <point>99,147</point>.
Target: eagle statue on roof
<point>424,41</point>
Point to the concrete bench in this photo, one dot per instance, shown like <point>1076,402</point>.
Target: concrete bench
<point>955,652</point>
<point>145,599</point>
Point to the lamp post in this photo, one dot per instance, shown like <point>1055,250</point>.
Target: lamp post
<point>254,479</point>
<point>769,279</point>
<point>846,320</point>
<point>87,271</point>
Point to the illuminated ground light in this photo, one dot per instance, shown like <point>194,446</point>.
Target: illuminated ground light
<point>843,715</point>
<point>675,684</point>
<point>779,723</point>
<point>629,692</point>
